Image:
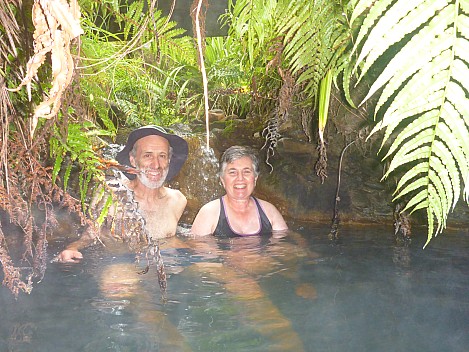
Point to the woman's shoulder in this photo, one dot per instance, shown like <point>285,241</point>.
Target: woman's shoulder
<point>206,219</point>
<point>213,205</point>
<point>274,215</point>
<point>267,206</point>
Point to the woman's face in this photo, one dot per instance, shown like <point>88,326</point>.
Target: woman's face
<point>239,178</point>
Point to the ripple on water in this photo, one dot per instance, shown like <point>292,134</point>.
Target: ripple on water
<point>110,306</point>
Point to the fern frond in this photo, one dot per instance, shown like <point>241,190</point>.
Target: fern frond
<point>419,201</point>
<point>133,17</point>
<point>394,23</point>
<point>252,22</point>
<point>424,101</point>
<point>312,32</point>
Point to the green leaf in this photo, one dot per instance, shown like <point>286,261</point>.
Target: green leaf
<point>423,103</point>
<point>57,166</point>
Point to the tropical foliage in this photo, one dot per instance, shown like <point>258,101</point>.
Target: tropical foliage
<point>32,119</point>
<point>423,97</point>
<point>287,48</point>
<point>418,48</point>
<point>133,60</point>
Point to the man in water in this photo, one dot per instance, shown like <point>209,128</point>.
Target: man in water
<point>143,212</point>
<point>157,156</point>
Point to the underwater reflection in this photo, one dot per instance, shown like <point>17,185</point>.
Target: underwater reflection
<point>242,263</point>
<point>235,265</point>
<point>135,301</point>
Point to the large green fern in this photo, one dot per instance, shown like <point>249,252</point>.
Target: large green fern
<point>77,141</point>
<point>138,70</point>
<point>423,104</point>
<point>312,32</point>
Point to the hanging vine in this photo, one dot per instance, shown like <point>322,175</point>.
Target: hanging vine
<point>198,21</point>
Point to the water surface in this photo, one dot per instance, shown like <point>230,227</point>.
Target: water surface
<point>300,293</point>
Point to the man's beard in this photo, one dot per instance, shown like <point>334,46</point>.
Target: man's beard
<point>152,184</point>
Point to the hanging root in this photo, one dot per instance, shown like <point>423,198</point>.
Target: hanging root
<point>162,281</point>
<point>402,225</point>
<point>321,164</point>
<point>280,115</point>
<point>271,135</point>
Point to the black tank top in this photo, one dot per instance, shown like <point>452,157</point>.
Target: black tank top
<point>224,229</point>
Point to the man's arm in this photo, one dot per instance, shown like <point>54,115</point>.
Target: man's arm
<point>72,253</point>
<point>181,202</point>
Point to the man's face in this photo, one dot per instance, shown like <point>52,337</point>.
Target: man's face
<point>151,157</point>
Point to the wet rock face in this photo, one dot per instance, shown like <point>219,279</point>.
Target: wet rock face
<point>360,196</point>
<point>292,185</point>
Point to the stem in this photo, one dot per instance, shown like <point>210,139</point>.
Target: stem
<point>336,219</point>
<point>202,68</point>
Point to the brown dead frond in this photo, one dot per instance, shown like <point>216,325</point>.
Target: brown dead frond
<point>277,48</point>
<point>280,114</point>
<point>10,28</point>
<point>6,111</point>
<point>306,118</point>
<point>286,93</point>
<point>56,23</point>
<point>11,274</point>
<point>29,201</point>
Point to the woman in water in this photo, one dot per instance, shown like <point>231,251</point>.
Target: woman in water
<point>239,213</point>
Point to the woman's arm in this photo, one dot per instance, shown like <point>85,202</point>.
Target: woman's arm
<point>206,219</point>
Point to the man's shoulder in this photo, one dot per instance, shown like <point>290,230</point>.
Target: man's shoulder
<point>175,195</point>
<point>174,192</point>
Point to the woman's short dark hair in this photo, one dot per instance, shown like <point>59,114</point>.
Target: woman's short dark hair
<point>237,152</point>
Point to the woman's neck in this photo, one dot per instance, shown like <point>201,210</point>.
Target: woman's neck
<point>238,205</point>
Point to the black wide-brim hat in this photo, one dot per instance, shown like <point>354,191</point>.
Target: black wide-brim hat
<point>179,145</point>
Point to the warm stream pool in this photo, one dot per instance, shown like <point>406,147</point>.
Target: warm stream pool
<point>294,294</point>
